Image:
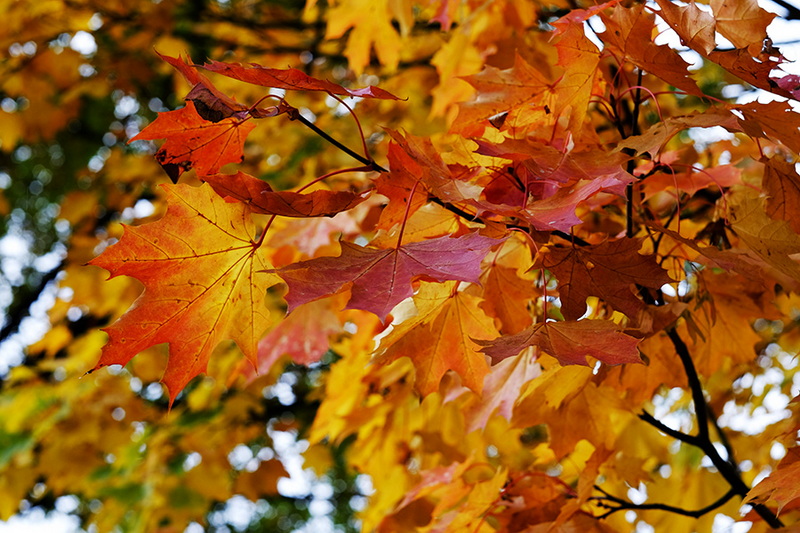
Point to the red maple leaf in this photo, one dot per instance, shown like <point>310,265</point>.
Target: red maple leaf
<point>211,103</point>
<point>380,279</point>
<point>260,197</point>
<point>193,142</point>
<point>291,79</point>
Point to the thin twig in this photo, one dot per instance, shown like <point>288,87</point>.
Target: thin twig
<point>355,155</point>
<point>624,505</point>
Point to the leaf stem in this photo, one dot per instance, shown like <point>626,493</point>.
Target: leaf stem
<point>335,172</point>
<point>358,124</point>
<point>260,241</point>
<point>622,505</point>
<point>663,428</point>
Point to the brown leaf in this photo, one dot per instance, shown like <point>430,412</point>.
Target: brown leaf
<point>629,34</point>
<point>695,27</point>
<point>610,271</point>
<point>570,343</point>
<point>782,185</point>
<point>210,102</point>
<point>260,197</point>
<point>781,485</point>
<point>742,22</point>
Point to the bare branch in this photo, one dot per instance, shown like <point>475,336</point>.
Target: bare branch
<point>663,428</point>
<point>615,504</point>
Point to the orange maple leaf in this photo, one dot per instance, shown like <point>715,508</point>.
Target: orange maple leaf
<point>781,485</point>
<point>782,185</point>
<point>519,90</point>
<point>441,337</point>
<point>193,142</point>
<point>204,279</point>
<point>628,32</point>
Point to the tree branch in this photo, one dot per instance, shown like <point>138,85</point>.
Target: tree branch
<point>20,308</point>
<point>355,155</point>
<point>723,437</point>
<point>794,12</point>
<point>727,469</point>
<point>618,504</point>
<point>663,428</point>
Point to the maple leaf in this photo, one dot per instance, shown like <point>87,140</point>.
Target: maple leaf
<point>370,25</point>
<point>520,89</point>
<point>579,57</point>
<point>303,335</point>
<point>781,485</point>
<point>558,211</point>
<point>210,103</point>
<point>696,29</point>
<point>628,32</point>
<point>690,182</point>
<point>291,79</point>
<point>260,197</point>
<point>418,157</point>
<point>656,137</point>
<point>195,143</point>
<point>204,281</point>
<point>506,296</point>
<point>608,270</point>
<point>501,390</point>
<point>782,185</point>
<point>397,185</point>
<point>442,337</point>
<point>743,22</point>
<point>772,240</point>
<point>544,163</point>
<point>570,343</point>
<point>380,279</point>
<point>776,121</point>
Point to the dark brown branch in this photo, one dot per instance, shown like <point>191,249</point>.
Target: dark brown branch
<point>723,437</point>
<point>663,428</point>
<point>727,469</point>
<point>794,12</point>
<point>355,155</point>
<point>20,309</point>
<point>456,210</point>
<point>618,504</point>
<point>698,397</point>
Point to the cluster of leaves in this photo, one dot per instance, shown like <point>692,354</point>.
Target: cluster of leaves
<point>514,300</point>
